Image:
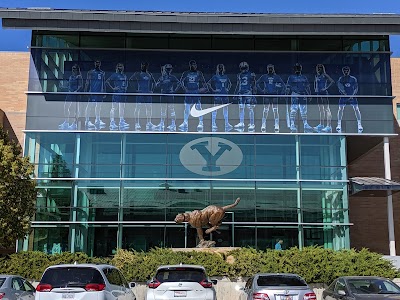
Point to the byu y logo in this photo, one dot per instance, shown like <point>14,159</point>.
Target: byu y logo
<point>211,156</point>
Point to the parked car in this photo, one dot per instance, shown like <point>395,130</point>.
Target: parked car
<point>84,282</point>
<point>181,282</point>
<point>14,287</point>
<point>361,287</point>
<point>276,286</point>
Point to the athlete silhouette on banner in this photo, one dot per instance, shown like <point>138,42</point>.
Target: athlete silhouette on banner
<point>220,84</point>
<point>95,83</point>
<point>74,85</point>
<point>143,83</point>
<point>270,85</point>
<point>118,83</point>
<point>322,83</point>
<point>348,87</point>
<point>299,88</point>
<point>168,84</point>
<point>193,84</point>
<point>246,88</point>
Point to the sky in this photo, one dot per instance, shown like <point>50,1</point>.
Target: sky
<point>19,40</point>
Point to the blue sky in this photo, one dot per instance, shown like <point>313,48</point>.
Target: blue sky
<point>19,40</point>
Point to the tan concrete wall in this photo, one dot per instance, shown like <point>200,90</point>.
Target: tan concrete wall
<point>14,72</point>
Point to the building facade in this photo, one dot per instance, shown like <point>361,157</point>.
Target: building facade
<point>131,122</point>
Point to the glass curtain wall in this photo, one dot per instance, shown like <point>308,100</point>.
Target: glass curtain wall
<point>101,191</point>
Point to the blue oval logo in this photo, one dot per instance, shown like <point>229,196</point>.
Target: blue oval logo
<point>211,156</point>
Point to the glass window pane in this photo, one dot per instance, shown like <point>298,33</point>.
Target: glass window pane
<point>142,238</point>
<point>55,157</point>
<point>51,240</point>
<point>102,240</point>
<point>398,112</point>
<point>102,41</point>
<point>276,205</point>
<point>233,43</point>
<point>154,41</point>
<point>320,44</point>
<point>100,156</point>
<point>53,204</point>
<point>55,40</point>
<point>275,157</point>
<point>190,42</point>
<point>268,236</point>
<point>273,44</point>
<point>319,206</point>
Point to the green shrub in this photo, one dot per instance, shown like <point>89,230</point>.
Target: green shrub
<point>31,264</point>
<point>314,264</point>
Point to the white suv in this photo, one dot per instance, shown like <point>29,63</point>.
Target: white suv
<point>181,282</point>
<point>83,282</point>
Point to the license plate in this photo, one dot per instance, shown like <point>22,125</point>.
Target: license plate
<point>180,294</point>
<point>68,295</point>
<point>287,297</point>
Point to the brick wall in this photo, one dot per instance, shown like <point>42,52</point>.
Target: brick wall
<point>369,214</point>
<point>14,70</point>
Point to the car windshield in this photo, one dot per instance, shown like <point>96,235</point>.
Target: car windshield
<point>372,286</point>
<point>280,280</point>
<point>2,279</point>
<point>71,277</point>
<point>180,274</point>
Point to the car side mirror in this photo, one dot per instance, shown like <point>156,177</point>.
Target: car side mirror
<point>214,281</point>
<point>341,292</point>
<point>132,284</point>
<point>241,288</point>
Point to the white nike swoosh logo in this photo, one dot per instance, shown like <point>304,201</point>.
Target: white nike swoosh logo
<point>194,112</point>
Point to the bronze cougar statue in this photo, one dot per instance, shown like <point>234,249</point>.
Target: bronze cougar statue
<point>210,216</point>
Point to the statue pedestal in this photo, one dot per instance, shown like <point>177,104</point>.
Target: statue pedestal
<point>211,250</point>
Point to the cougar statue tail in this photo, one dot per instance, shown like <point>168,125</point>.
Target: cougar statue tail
<point>225,208</point>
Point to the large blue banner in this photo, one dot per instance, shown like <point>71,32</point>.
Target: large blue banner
<point>210,91</point>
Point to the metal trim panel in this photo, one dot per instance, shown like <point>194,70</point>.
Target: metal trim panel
<point>44,19</point>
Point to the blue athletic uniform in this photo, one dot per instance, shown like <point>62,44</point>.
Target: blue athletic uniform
<point>348,86</point>
<point>246,81</point>
<point>192,81</point>
<point>220,83</point>
<point>144,82</point>
<point>321,84</point>
<point>299,85</point>
<point>74,82</point>
<point>96,84</point>
<point>120,82</point>
<point>273,85</point>
<point>167,84</point>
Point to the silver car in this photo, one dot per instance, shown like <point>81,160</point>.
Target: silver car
<point>277,286</point>
<point>83,282</point>
<point>181,282</point>
<point>14,287</point>
<point>362,287</point>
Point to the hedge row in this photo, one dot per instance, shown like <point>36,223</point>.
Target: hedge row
<point>314,264</point>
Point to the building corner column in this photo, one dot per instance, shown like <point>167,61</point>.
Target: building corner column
<point>388,175</point>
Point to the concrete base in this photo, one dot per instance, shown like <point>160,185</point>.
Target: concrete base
<point>211,250</point>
